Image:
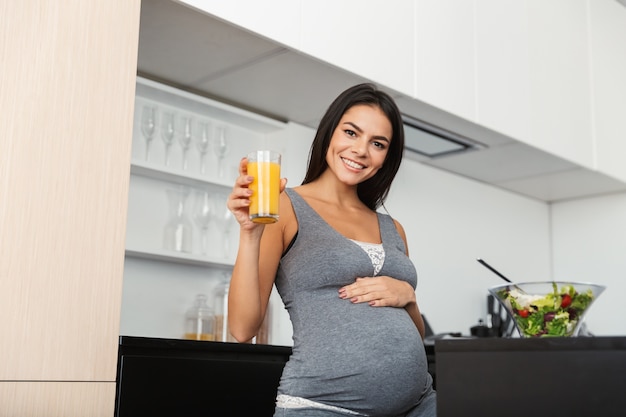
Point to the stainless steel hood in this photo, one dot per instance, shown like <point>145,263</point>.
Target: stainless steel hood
<point>201,54</point>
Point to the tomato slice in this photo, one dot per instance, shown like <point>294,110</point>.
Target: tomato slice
<point>566,300</point>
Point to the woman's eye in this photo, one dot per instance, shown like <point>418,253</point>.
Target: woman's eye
<point>380,145</point>
<point>350,132</point>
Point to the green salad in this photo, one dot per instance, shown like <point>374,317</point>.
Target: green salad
<point>553,314</point>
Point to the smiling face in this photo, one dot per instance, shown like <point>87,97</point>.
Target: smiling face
<point>359,144</point>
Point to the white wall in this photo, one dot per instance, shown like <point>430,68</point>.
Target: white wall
<point>589,245</point>
<point>451,221</point>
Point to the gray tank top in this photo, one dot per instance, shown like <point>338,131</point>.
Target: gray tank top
<point>370,360</point>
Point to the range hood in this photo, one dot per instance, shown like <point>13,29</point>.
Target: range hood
<point>432,141</point>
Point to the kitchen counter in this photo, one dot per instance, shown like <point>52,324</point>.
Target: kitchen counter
<point>578,376</point>
<point>169,377</point>
<point>166,377</point>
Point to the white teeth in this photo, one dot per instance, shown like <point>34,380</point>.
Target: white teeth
<point>352,164</point>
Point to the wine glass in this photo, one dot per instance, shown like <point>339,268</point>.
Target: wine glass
<point>148,125</point>
<point>203,214</point>
<point>220,147</point>
<point>167,133</point>
<point>203,140</point>
<point>186,137</point>
<point>225,221</point>
<point>178,230</point>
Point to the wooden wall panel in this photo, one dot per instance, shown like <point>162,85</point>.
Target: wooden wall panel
<point>57,399</point>
<point>68,79</point>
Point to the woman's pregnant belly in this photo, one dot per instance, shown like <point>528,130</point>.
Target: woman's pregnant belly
<point>367,359</point>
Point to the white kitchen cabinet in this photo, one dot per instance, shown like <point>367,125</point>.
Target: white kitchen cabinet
<point>559,64</point>
<point>277,19</point>
<point>502,77</point>
<point>374,38</point>
<point>445,43</point>
<point>609,85</point>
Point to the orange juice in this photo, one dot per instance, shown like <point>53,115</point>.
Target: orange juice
<point>264,166</point>
<point>199,336</point>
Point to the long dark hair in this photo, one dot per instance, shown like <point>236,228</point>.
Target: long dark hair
<point>373,191</point>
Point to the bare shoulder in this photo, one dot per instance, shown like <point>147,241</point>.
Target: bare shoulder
<point>399,228</point>
<point>287,219</point>
<point>402,234</point>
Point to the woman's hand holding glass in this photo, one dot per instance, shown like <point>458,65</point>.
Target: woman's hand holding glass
<point>239,199</point>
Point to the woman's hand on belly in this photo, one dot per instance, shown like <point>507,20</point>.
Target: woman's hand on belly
<point>382,291</point>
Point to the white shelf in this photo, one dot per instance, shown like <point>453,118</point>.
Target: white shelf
<point>146,169</point>
<point>179,257</point>
<point>184,100</point>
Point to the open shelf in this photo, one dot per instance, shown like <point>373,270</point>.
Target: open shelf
<point>146,169</point>
<point>180,257</point>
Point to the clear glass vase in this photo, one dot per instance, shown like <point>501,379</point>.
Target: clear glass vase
<point>179,229</point>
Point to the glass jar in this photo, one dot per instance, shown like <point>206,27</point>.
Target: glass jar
<point>199,320</point>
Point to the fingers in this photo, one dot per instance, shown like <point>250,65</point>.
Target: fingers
<point>378,291</point>
<point>239,198</point>
<point>363,290</point>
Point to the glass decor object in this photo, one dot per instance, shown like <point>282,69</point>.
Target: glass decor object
<point>548,308</point>
<point>186,137</point>
<point>148,126</point>
<point>225,222</point>
<point>221,148</point>
<point>167,132</point>
<point>199,320</point>
<point>178,230</point>
<point>220,326</point>
<point>203,215</point>
<point>203,141</point>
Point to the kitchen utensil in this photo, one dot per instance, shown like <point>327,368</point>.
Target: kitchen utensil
<point>493,270</point>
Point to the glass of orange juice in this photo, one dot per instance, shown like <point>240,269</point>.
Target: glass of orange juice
<point>264,166</point>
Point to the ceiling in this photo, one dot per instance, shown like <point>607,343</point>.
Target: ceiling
<point>201,54</point>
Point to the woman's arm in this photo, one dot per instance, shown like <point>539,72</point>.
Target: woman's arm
<point>412,308</point>
<point>260,248</point>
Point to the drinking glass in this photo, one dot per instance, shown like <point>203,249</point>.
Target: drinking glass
<point>148,125</point>
<point>167,133</point>
<point>178,230</point>
<point>225,222</point>
<point>264,167</point>
<point>185,137</point>
<point>203,140</point>
<point>203,214</point>
<point>221,148</point>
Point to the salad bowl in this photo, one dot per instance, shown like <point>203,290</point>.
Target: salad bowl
<point>549,308</point>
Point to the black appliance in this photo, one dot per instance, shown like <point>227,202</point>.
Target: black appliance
<point>170,377</point>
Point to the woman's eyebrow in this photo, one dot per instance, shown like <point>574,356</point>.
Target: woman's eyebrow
<point>358,129</point>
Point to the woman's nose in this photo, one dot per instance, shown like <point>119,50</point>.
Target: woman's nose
<point>359,147</point>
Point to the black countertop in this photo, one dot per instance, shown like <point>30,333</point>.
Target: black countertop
<point>576,376</point>
<point>171,377</point>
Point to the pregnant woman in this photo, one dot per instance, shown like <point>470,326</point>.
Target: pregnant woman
<point>342,270</point>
